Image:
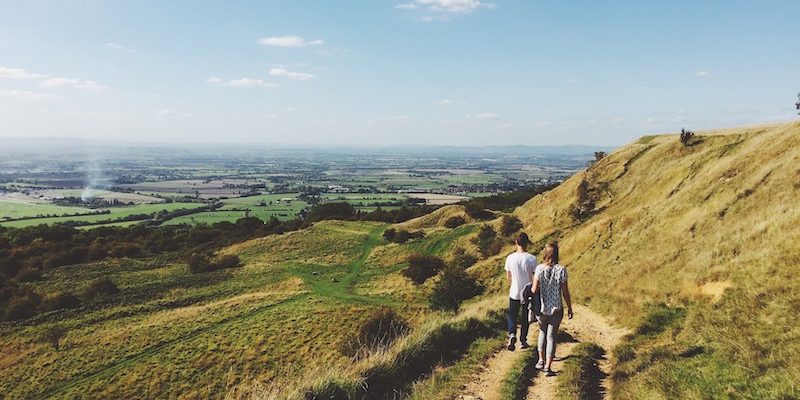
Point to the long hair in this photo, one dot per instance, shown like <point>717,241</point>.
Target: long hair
<point>550,254</point>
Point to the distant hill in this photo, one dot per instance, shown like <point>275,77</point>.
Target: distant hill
<point>699,248</point>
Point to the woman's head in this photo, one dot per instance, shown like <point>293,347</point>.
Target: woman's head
<point>550,254</point>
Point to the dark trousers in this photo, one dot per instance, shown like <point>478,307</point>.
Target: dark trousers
<point>514,307</point>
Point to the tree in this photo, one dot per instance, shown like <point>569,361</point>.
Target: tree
<point>53,335</point>
<point>686,137</point>
<point>599,155</point>
<point>452,289</point>
<point>421,267</point>
<point>797,105</point>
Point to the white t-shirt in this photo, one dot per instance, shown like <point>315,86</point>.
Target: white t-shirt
<point>521,266</point>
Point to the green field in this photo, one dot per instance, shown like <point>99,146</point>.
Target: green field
<point>15,209</point>
<point>115,213</point>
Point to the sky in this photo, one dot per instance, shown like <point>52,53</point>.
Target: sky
<point>375,72</point>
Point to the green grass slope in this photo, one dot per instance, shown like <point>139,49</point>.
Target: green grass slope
<point>697,247</point>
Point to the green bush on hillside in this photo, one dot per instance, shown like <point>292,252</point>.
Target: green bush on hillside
<point>102,288</point>
<point>201,262</point>
<point>454,222</point>
<point>380,330</point>
<point>510,225</point>
<point>452,289</point>
<point>421,267</point>
<point>487,241</point>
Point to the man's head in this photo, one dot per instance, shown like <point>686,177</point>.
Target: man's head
<point>522,240</point>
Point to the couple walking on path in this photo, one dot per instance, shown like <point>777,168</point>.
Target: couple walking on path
<point>536,290</point>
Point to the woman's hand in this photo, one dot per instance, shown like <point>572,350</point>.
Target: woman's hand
<point>569,312</point>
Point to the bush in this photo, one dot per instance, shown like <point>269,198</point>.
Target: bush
<point>421,267</point>
<point>454,222</point>
<point>102,288</point>
<point>584,202</point>
<point>475,210</point>
<point>686,137</point>
<point>487,241</point>
<point>380,330</point>
<point>401,236</point>
<point>60,301</point>
<point>462,259</point>
<point>22,307</point>
<point>452,289</point>
<point>53,335</point>
<point>510,225</point>
<point>203,262</point>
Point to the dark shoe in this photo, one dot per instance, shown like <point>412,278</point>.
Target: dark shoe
<point>550,372</point>
<point>512,341</point>
<point>524,345</point>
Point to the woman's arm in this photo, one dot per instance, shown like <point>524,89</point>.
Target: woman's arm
<point>535,286</point>
<point>567,298</point>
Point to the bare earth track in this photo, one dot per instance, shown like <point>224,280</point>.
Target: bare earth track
<point>586,326</point>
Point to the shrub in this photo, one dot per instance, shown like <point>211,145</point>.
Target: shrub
<point>487,241</point>
<point>686,137</point>
<point>21,307</point>
<point>401,236</point>
<point>599,155</point>
<point>60,301</point>
<point>203,262</point>
<point>28,274</point>
<point>455,222</point>
<point>421,267</point>
<point>452,289</point>
<point>53,335</point>
<point>102,288</point>
<point>509,225</point>
<point>380,330</point>
<point>584,202</point>
<point>475,210</point>
<point>462,259</point>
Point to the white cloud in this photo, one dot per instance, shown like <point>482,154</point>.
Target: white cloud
<point>448,102</point>
<point>288,41</point>
<point>166,112</point>
<point>24,95</point>
<point>248,82</point>
<point>72,83</point>
<point>702,74</point>
<point>241,82</point>
<point>284,73</point>
<point>18,73</point>
<point>119,47</point>
<point>452,6</point>
<point>483,116</point>
<point>406,6</point>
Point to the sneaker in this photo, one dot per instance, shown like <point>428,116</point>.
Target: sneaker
<point>524,345</point>
<point>512,341</point>
<point>549,372</point>
<point>540,365</point>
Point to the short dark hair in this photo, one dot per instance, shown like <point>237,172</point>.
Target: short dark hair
<point>523,240</point>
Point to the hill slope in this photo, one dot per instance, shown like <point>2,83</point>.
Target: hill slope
<point>656,222</point>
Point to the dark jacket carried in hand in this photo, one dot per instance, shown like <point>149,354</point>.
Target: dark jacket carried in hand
<point>531,299</point>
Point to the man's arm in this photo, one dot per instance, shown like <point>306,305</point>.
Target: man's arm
<point>508,274</point>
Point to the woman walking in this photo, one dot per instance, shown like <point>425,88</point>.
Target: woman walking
<point>550,279</point>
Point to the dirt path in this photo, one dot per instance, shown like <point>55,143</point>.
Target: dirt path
<point>586,326</point>
<point>488,384</point>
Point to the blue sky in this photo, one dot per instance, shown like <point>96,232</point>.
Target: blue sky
<point>379,72</point>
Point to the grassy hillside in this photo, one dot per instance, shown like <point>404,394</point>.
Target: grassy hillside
<point>697,247</point>
<point>171,333</point>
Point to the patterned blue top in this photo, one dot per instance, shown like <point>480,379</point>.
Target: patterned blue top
<point>550,281</point>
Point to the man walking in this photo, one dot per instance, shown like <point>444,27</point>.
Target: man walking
<point>520,266</point>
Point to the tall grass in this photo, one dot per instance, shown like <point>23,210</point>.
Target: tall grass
<point>580,377</point>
